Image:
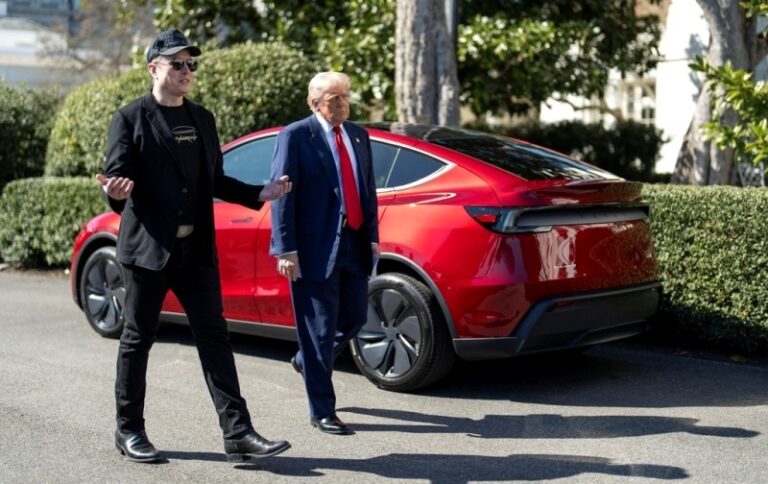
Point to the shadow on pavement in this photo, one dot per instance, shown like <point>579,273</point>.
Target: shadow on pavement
<point>606,376</point>
<point>204,456</point>
<point>540,426</point>
<point>609,376</point>
<point>464,468</point>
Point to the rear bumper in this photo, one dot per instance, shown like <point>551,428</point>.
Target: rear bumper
<point>570,322</point>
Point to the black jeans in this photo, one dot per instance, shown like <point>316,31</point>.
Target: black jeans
<point>199,291</point>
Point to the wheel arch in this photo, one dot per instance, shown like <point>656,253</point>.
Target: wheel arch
<point>92,245</point>
<point>390,262</point>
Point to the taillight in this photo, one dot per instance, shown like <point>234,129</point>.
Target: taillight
<point>502,220</point>
<point>485,216</point>
<point>515,220</point>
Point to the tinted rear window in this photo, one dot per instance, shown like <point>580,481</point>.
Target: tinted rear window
<point>526,161</point>
<point>411,167</point>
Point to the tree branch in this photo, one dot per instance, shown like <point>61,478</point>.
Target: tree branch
<point>601,106</point>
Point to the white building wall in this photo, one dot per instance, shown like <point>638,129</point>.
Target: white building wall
<point>21,42</point>
<point>677,87</point>
<point>672,87</point>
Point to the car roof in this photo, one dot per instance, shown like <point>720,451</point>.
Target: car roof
<point>519,158</point>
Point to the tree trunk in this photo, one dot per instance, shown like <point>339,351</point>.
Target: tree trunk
<point>426,82</point>
<point>733,38</point>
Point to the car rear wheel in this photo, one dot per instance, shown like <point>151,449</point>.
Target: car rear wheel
<point>102,292</point>
<point>404,344</point>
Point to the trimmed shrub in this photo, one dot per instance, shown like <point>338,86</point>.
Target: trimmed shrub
<point>247,87</point>
<point>39,218</point>
<point>26,118</point>
<point>628,149</point>
<point>253,86</point>
<point>79,137</point>
<point>712,249</point>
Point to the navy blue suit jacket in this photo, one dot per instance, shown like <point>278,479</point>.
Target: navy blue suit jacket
<point>308,219</point>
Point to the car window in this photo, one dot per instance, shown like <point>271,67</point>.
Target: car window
<point>522,159</point>
<point>411,166</point>
<point>383,160</point>
<point>250,162</point>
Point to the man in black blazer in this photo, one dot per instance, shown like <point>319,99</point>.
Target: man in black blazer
<point>325,235</point>
<point>162,170</point>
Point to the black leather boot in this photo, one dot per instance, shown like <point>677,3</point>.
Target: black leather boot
<point>252,445</point>
<point>137,447</point>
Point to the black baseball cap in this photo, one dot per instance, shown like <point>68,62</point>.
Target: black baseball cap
<point>169,42</point>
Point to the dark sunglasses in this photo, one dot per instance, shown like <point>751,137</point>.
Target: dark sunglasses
<point>178,64</point>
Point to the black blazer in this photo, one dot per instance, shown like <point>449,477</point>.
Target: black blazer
<point>141,147</point>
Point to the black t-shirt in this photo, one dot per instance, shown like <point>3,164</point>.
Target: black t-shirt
<point>189,150</point>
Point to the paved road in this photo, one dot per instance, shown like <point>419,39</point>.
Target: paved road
<point>614,414</point>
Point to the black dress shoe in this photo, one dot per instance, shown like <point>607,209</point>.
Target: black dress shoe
<point>296,367</point>
<point>252,445</point>
<point>137,447</point>
<point>331,425</point>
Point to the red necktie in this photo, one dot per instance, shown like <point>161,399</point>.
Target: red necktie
<point>351,197</point>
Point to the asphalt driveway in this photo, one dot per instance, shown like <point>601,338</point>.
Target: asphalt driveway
<point>614,414</point>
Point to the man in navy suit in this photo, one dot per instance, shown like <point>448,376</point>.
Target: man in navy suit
<point>325,235</point>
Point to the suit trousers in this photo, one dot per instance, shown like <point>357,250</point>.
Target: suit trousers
<point>198,288</point>
<point>328,314</point>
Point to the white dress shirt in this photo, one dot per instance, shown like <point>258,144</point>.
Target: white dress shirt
<point>330,139</point>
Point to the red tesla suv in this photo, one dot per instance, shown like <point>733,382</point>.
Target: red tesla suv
<point>491,248</point>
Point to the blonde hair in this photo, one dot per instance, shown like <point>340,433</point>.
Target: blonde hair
<point>323,81</point>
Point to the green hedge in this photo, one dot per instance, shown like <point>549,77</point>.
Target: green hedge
<point>253,86</point>
<point>26,118</point>
<point>628,149</point>
<point>39,218</point>
<point>79,137</point>
<point>712,249</point>
<point>711,245</point>
<point>247,87</point>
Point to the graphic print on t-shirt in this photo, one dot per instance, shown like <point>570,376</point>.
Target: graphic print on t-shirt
<point>184,134</point>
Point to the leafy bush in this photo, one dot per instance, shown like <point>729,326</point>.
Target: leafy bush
<point>629,149</point>
<point>253,86</point>
<point>79,138</point>
<point>712,249</point>
<point>39,218</point>
<point>26,118</point>
<point>247,87</point>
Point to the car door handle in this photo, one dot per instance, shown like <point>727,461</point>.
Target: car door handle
<point>244,220</point>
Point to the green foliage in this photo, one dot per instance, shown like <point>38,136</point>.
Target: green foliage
<point>512,54</point>
<point>712,249</point>
<point>247,87</point>
<point>228,22</point>
<point>253,86</point>
<point>362,44</point>
<point>755,7</point>
<point>628,149</point>
<point>79,136</point>
<point>515,54</point>
<point>201,20</point>
<point>39,218</point>
<point>26,118</point>
<point>737,93</point>
<point>354,36</point>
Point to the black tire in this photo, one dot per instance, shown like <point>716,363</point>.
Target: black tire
<point>102,292</point>
<point>404,345</point>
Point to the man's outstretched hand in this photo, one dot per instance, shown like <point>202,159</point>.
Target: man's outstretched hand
<point>275,189</point>
<point>117,188</point>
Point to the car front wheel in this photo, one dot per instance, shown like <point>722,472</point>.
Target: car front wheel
<point>102,292</point>
<point>404,344</point>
